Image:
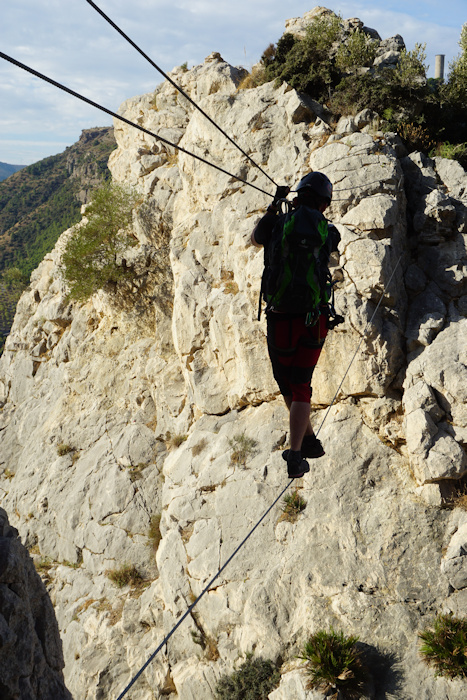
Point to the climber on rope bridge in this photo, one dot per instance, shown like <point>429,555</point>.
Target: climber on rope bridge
<point>297,288</point>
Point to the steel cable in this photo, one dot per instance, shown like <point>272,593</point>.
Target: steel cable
<point>172,82</point>
<point>169,635</point>
<point>127,121</point>
<point>205,589</point>
<point>360,343</point>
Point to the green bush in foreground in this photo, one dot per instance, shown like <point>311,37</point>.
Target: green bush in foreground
<point>334,664</point>
<point>445,646</point>
<point>93,258</point>
<point>254,680</point>
<point>292,505</point>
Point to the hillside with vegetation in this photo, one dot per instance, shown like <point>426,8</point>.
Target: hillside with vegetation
<point>38,203</point>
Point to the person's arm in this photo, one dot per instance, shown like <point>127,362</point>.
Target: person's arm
<point>334,236</point>
<point>265,225</point>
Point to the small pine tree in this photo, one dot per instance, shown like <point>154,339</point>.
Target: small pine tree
<point>93,255</point>
<point>359,50</point>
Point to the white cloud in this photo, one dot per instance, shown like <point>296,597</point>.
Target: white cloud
<point>71,43</point>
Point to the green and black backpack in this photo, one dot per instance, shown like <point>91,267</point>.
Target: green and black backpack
<point>296,276</point>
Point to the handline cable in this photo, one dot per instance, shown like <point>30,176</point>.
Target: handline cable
<point>172,82</point>
<point>205,589</point>
<point>127,121</point>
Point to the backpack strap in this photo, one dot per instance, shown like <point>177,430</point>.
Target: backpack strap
<point>283,206</point>
<point>287,226</point>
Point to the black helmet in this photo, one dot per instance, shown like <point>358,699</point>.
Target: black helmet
<point>318,183</point>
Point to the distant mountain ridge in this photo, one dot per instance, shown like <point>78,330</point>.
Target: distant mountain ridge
<point>38,203</point>
<point>42,200</point>
<point>6,170</point>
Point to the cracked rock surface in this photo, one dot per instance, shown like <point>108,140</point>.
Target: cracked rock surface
<point>145,435</point>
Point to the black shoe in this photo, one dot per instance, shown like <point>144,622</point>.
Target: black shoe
<point>312,447</point>
<point>296,466</point>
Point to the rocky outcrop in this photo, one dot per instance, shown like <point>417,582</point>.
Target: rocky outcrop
<point>158,418</point>
<point>31,659</point>
<point>85,161</point>
<point>387,52</point>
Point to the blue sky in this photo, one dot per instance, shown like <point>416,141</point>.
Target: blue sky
<point>71,43</point>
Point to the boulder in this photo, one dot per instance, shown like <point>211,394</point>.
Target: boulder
<point>31,657</point>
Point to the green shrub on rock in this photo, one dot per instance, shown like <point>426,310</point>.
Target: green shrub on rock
<point>358,51</point>
<point>254,680</point>
<point>292,505</point>
<point>410,72</point>
<point>334,664</point>
<point>455,89</point>
<point>93,258</point>
<point>445,646</point>
<point>304,62</point>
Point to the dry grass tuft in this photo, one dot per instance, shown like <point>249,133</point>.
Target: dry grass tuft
<point>254,79</point>
<point>154,533</point>
<point>199,447</point>
<point>242,447</point>
<point>127,575</point>
<point>174,441</point>
<point>206,642</point>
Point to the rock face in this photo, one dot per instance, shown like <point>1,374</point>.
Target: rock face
<point>31,659</point>
<point>123,424</point>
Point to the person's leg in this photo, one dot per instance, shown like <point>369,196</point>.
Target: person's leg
<point>299,420</point>
<point>284,335</point>
<point>310,446</point>
<point>297,425</point>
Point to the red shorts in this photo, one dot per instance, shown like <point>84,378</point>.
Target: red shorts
<point>294,349</point>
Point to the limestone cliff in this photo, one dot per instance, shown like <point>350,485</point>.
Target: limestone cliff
<point>97,401</point>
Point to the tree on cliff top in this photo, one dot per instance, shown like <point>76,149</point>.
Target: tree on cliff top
<point>337,68</point>
<point>456,85</point>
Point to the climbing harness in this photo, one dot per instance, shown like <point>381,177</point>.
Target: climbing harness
<point>177,87</point>
<point>127,121</point>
